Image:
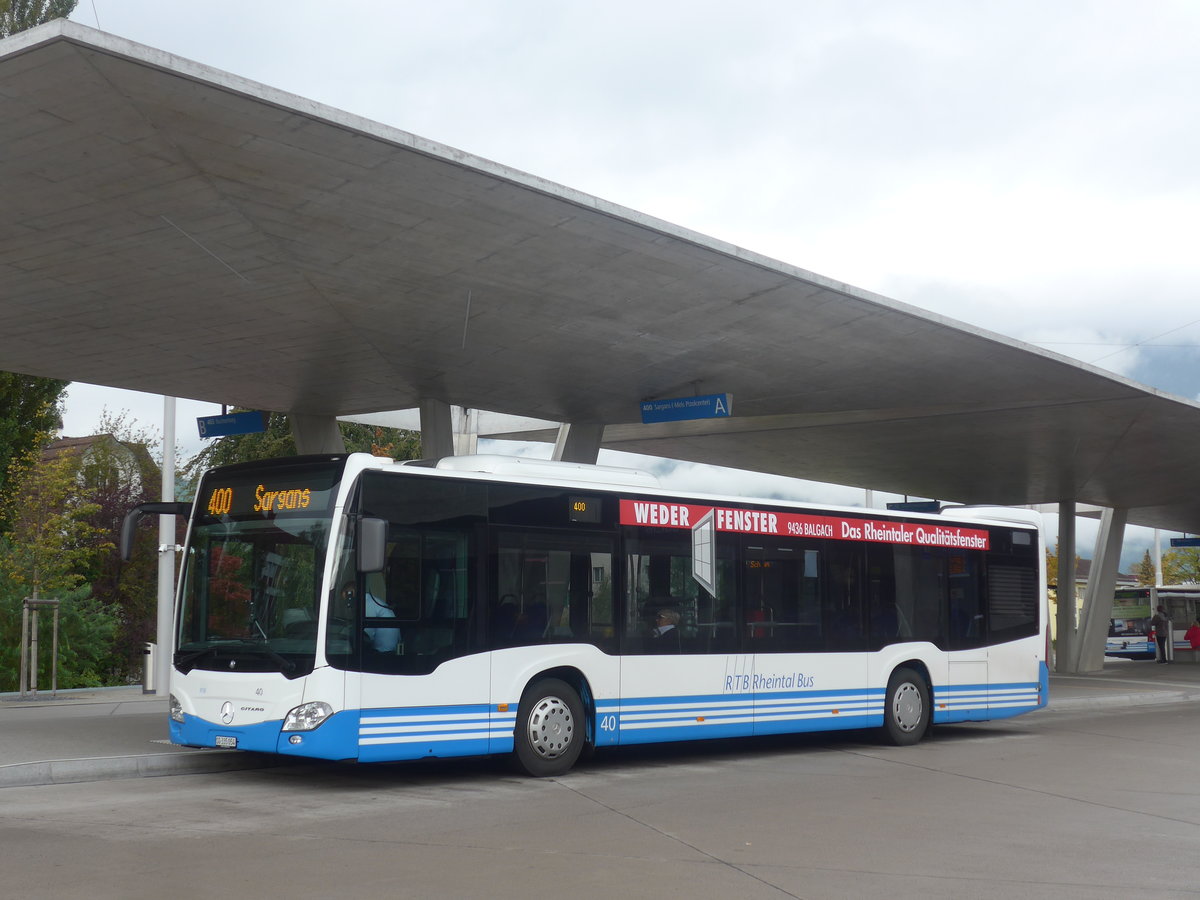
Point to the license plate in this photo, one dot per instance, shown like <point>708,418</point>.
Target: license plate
<point>226,742</point>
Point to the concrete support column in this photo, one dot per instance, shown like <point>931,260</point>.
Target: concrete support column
<point>579,442</point>
<point>437,429</point>
<point>1088,653</point>
<point>1065,622</point>
<point>466,434</point>
<point>316,434</point>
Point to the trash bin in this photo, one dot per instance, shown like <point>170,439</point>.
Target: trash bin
<point>148,668</point>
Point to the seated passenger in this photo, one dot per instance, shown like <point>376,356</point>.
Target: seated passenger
<point>665,634</point>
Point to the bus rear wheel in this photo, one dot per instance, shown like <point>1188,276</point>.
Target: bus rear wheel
<point>550,730</point>
<point>906,710</point>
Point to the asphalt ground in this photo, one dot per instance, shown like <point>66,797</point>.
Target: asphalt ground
<point>111,733</point>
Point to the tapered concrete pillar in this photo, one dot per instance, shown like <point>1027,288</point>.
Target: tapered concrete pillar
<point>316,434</point>
<point>437,429</point>
<point>579,442</point>
<point>466,431</point>
<point>1088,654</point>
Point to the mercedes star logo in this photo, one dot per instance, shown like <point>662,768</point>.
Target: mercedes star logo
<point>226,712</point>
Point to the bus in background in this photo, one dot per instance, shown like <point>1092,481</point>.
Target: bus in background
<point>356,608</point>
<point>1129,630</point>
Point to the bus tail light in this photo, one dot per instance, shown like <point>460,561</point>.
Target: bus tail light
<point>307,716</point>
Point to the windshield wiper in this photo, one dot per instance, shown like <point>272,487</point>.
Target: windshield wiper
<point>185,662</point>
<point>286,666</point>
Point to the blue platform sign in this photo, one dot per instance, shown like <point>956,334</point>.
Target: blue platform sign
<point>679,409</point>
<point>234,423</point>
<point>1185,542</point>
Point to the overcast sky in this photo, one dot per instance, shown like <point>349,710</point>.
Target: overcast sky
<point>1026,167</point>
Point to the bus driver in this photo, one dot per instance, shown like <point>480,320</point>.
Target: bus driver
<point>383,640</point>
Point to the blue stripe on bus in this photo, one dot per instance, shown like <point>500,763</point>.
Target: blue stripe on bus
<point>468,730</point>
<point>837,722</point>
<point>980,702</point>
<point>746,696</point>
<point>663,718</point>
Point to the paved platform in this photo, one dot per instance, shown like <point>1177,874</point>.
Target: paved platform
<point>97,734</point>
<point>110,733</point>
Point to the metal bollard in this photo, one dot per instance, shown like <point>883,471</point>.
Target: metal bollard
<point>148,668</point>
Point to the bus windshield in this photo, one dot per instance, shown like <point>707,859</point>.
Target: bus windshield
<point>251,581</point>
<point>249,597</point>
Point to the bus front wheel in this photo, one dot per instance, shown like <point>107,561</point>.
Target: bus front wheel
<point>550,731</point>
<point>906,709</point>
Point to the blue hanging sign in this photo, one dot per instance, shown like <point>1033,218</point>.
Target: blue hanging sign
<point>251,422</point>
<point>679,409</point>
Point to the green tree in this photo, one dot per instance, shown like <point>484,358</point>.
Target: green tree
<point>85,635</point>
<point>50,543</point>
<point>116,473</point>
<point>30,412</point>
<point>21,15</point>
<point>1144,570</point>
<point>1181,566</point>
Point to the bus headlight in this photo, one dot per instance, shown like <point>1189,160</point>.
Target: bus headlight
<point>176,709</point>
<point>307,716</point>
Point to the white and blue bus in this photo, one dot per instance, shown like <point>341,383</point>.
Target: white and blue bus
<point>1130,632</point>
<point>356,608</point>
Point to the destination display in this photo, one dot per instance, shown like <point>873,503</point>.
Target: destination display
<point>831,527</point>
<point>266,493</point>
<point>584,509</point>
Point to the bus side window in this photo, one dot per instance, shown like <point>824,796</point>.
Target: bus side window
<point>658,576</point>
<point>883,617</point>
<point>843,602</point>
<point>551,588</point>
<point>781,590</point>
<point>966,602</point>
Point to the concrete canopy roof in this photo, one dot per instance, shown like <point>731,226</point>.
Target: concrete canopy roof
<point>170,228</point>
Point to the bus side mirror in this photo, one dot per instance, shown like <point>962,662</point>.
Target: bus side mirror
<point>372,544</point>
<point>129,525</point>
